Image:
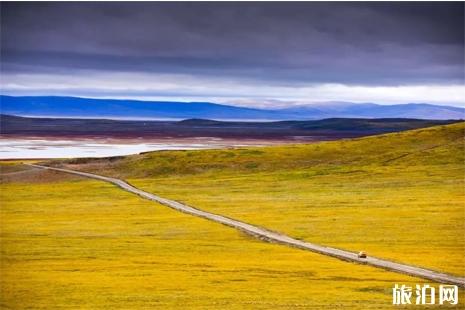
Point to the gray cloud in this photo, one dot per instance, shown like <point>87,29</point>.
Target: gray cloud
<point>276,42</point>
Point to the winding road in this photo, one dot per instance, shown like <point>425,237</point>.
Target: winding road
<point>274,237</point>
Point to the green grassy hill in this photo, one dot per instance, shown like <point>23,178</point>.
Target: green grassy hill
<point>434,145</point>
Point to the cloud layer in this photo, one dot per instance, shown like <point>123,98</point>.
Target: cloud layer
<point>200,49</point>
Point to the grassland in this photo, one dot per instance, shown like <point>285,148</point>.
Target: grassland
<point>399,196</point>
<point>69,243</point>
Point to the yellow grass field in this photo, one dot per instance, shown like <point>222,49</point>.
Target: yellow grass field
<point>71,243</point>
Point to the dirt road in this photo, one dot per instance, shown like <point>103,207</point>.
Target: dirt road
<point>274,237</point>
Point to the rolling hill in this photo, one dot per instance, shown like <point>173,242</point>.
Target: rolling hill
<point>408,147</point>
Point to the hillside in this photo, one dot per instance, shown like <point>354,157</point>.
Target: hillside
<point>50,106</point>
<point>435,145</point>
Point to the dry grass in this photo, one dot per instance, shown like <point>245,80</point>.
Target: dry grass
<point>88,245</point>
<point>84,244</point>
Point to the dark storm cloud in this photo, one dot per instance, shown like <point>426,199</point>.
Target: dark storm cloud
<point>348,43</point>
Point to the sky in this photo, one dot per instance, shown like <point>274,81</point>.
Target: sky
<point>260,54</point>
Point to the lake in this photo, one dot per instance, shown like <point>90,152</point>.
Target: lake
<point>11,148</point>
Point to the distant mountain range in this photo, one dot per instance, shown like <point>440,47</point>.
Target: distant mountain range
<point>50,106</point>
